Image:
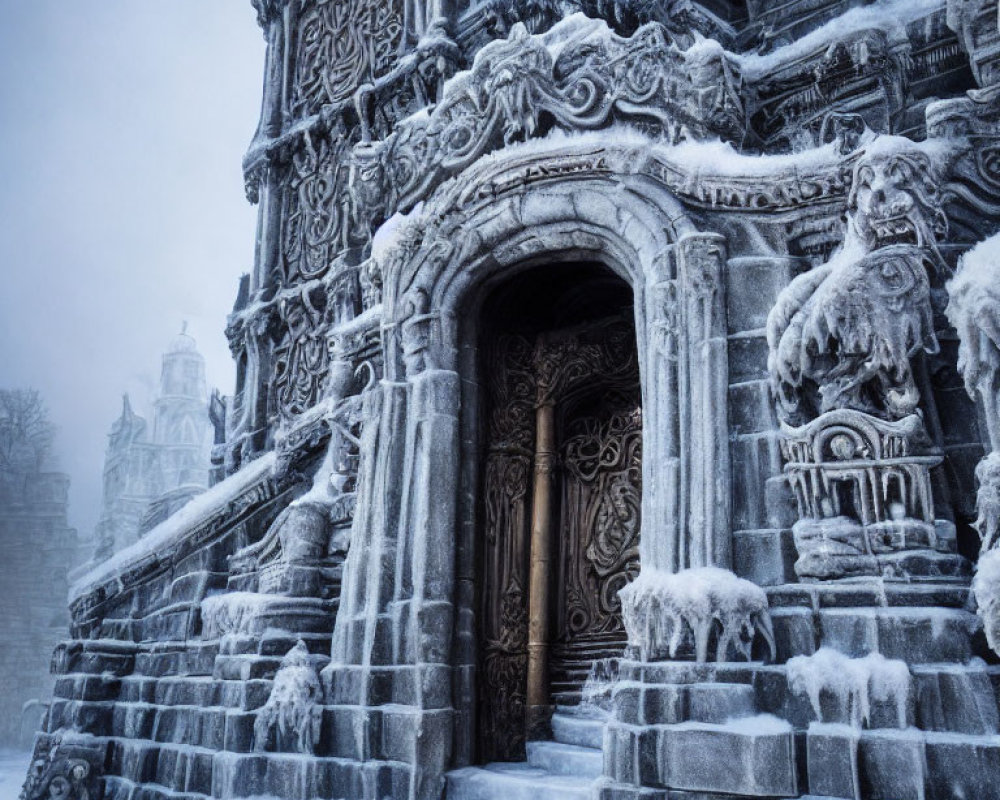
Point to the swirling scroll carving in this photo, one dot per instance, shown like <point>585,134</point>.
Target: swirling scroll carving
<point>602,501</point>
<point>517,88</point>
<point>341,45</point>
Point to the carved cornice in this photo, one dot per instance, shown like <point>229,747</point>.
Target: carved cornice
<point>86,604</point>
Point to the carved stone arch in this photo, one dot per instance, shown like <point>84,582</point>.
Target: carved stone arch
<point>416,496</point>
<point>608,208</point>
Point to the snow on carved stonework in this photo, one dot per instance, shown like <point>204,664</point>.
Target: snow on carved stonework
<point>290,720</point>
<point>974,310</point>
<point>986,587</point>
<point>340,45</point>
<point>300,554</point>
<point>896,195</point>
<point>64,767</point>
<point>842,335</point>
<point>843,689</point>
<point>857,322</point>
<point>671,615</point>
<point>842,342</point>
<point>580,76</point>
<point>231,613</point>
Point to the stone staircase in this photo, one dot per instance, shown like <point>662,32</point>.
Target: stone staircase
<point>567,768</point>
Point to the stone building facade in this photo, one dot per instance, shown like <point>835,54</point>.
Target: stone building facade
<point>151,472</point>
<point>615,417</point>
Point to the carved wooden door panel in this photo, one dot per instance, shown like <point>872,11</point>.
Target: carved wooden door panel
<point>591,377</point>
<point>503,573</point>
<point>601,496</point>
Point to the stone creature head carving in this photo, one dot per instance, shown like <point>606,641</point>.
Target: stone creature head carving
<point>843,335</point>
<point>512,73</point>
<point>896,198</point>
<point>715,79</point>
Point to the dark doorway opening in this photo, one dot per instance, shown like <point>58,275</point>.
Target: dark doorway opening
<point>560,495</point>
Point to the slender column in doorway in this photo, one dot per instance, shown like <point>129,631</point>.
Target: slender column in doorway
<point>539,707</point>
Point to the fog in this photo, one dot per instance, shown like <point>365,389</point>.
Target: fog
<point>122,214</point>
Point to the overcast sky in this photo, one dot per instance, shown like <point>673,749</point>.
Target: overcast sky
<point>122,214</point>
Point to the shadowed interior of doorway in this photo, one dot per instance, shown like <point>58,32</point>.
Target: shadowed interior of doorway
<point>560,495</point>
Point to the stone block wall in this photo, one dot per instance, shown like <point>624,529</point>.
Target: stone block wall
<point>763,510</point>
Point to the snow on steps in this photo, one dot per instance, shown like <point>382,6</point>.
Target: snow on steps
<point>567,768</point>
<point>579,730</point>
<point>515,782</point>
<point>558,758</point>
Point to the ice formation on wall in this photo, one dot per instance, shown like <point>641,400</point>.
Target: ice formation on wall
<point>853,683</point>
<point>231,613</point>
<point>665,612</point>
<point>986,586</point>
<point>974,310</point>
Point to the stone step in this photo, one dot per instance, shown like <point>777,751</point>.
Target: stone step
<point>719,702</point>
<point>955,698</point>
<point>515,782</point>
<point>566,759</point>
<point>915,635</point>
<point>902,764</point>
<point>755,756</point>
<point>569,728</point>
<point>122,789</point>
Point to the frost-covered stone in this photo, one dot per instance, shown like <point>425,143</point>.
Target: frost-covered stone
<point>565,319</point>
<point>986,586</point>
<point>671,615</point>
<point>842,689</point>
<point>291,717</point>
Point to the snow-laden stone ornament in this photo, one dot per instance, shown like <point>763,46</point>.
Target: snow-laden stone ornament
<point>974,310</point>
<point>843,342</point>
<point>680,615</point>
<point>290,720</point>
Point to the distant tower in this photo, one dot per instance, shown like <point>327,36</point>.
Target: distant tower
<point>149,474</point>
<point>126,494</point>
<point>180,417</point>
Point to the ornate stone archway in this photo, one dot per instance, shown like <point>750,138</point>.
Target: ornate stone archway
<point>405,628</point>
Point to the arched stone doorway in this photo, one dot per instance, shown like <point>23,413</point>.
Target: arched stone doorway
<point>404,653</point>
<point>560,496</point>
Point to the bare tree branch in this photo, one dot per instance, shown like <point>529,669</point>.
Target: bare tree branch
<point>25,430</point>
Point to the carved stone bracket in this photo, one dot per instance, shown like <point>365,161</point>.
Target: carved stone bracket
<point>863,490</point>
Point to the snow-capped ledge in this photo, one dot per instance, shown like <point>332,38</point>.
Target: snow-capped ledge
<point>175,528</point>
<point>667,613</point>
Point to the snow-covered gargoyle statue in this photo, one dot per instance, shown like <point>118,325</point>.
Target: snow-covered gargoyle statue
<point>974,310</point>
<point>844,339</point>
<point>290,720</point>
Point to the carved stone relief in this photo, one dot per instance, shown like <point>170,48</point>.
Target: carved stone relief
<point>341,45</point>
<point>844,340</point>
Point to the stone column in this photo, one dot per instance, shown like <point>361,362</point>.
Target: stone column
<point>703,401</point>
<point>659,545</point>
<point>686,500</point>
